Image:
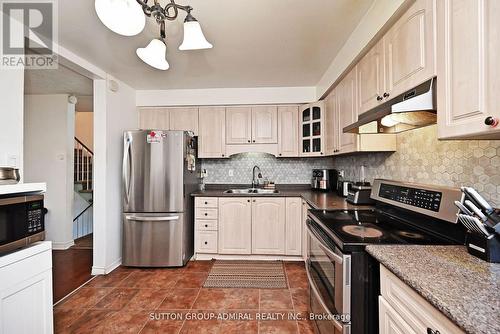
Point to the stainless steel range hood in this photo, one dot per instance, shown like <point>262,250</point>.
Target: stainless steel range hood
<point>413,109</point>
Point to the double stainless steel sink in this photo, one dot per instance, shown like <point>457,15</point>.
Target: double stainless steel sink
<point>252,191</point>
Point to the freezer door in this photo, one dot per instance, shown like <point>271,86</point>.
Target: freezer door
<point>154,240</point>
<point>153,171</point>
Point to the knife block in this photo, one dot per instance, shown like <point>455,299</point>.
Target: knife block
<point>482,247</point>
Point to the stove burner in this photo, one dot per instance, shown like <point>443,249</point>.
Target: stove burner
<point>410,235</point>
<point>362,231</point>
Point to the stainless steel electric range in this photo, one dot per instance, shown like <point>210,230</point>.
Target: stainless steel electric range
<point>343,278</point>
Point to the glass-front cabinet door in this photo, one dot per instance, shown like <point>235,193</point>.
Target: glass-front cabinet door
<point>312,129</point>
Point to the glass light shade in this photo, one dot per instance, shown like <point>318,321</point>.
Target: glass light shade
<point>124,17</point>
<point>193,37</point>
<point>388,121</point>
<point>154,54</point>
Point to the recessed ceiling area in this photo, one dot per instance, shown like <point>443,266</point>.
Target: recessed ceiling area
<point>259,43</point>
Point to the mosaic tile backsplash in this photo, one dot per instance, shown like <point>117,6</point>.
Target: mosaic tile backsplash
<point>422,158</point>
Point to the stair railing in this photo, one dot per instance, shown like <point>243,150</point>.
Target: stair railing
<point>83,165</point>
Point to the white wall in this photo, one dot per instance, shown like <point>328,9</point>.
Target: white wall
<point>11,117</point>
<point>226,96</point>
<point>84,128</point>
<point>114,112</point>
<point>48,155</point>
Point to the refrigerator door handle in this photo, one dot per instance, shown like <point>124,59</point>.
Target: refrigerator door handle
<point>127,168</point>
<point>149,218</point>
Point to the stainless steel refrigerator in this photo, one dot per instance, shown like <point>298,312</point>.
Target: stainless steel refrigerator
<point>159,174</point>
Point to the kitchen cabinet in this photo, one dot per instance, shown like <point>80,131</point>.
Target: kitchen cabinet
<point>332,133</point>
<point>288,131</point>
<point>268,225</point>
<point>371,78</point>
<point>185,119</point>
<point>265,125</point>
<point>206,225</point>
<point>402,310</point>
<point>26,290</point>
<point>238,125</point>
<point>305,208</point>
<point>347,112</point>
<point>154,119</point>
<point>212,132</point>
<point>468,68</point>
<point>293,228</point>
<point>235,225</point>
<point>312,129</point>
<point>409,49</point>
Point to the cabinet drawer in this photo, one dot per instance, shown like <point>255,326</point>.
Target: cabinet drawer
<point>206,241</point>
<point>206,225</point>
<point>418,313</point>
<point>206,202</point>
<point>206,213</point>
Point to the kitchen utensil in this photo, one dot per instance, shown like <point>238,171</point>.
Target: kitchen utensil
<point>463,208</point>
<point>9,175</point>
<point>478,200</point>
<point>474,224</point>
<point>476,210</point>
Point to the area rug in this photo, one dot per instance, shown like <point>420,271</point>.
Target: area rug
<point>247,274</point>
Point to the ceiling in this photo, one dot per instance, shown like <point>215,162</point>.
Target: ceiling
<point>258,43</point>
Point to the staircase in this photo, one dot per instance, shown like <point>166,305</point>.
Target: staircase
<point>83,185</point>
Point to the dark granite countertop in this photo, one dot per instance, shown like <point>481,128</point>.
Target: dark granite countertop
<point>464,288</point>
<point>316,199</point>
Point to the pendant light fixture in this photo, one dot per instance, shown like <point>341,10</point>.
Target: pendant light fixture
<point>128,18</point>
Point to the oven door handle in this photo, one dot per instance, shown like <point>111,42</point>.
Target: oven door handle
<point>334,257</point>
<point>336,323</point>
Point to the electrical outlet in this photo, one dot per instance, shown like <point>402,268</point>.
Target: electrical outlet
<point>231,172</point>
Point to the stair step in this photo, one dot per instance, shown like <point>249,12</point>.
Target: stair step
<point>88,191</point>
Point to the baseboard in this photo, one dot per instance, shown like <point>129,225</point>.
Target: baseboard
<point>62,245</point>
<point>106,270</point>
<point>248,257</point>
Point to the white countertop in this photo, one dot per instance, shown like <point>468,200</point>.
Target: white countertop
<point>23,253</point>
<point>21,188</point>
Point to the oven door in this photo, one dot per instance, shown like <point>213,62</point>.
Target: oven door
<point>329,274</point>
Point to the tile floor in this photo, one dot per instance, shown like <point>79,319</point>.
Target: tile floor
<point>173,301</point>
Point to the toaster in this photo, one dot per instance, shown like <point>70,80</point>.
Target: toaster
<point>343,188</point>
<point>359,193</point>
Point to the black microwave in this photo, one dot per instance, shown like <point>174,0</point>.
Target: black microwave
<point>22,221</point>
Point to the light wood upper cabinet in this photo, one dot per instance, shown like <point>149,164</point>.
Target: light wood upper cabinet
<point>331,131</point>
<point>268,225</point>
<point>212,132</point>
<point>468,44</point>
<point>154,119</point>
<point>265,125</point>
<point>288,131</point>
<point>293,240</point>
<point>235,225</point>
<point>409,49</point>
<point>347,112</point>
<point>185,119</point>
<point>312,129</point>
<point>238,125</point>
<point>371,78</point>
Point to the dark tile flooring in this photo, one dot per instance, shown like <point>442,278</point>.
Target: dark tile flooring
<point>173,301</point>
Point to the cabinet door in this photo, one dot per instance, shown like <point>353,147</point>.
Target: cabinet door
<point>370,72</point>
<point>265,125</point>
<point>185,119</point>
<point>468,43</point>
<point>409,49</point>
<point>312,138</point>
<point>293,228</point>
<point>235,225</point>
<point>212,132</point>
<point>154,119</point>
<point>288,131</point>
<point>330,130</point>
<point>390,322</point>
<point>238,125</point>
<point>346,95</point>
<point>268,225</point>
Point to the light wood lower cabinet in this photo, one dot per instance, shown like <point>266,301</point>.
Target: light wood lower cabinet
<point>235,225</point>
<point>402,310</point>
<point>249,226</point>
<point>268,226</point>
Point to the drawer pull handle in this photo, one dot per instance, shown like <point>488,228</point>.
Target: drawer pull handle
<point>379,98</point>
<point>206,225</point>
<point>206,242</point>
<point>206,203</point>
<point>386,95</point>
<point>491,121</point>
<point>206,214</point>
<point>431,331</point>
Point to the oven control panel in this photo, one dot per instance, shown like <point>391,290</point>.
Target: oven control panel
<point>35,217</point>
<point>420,198</point>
